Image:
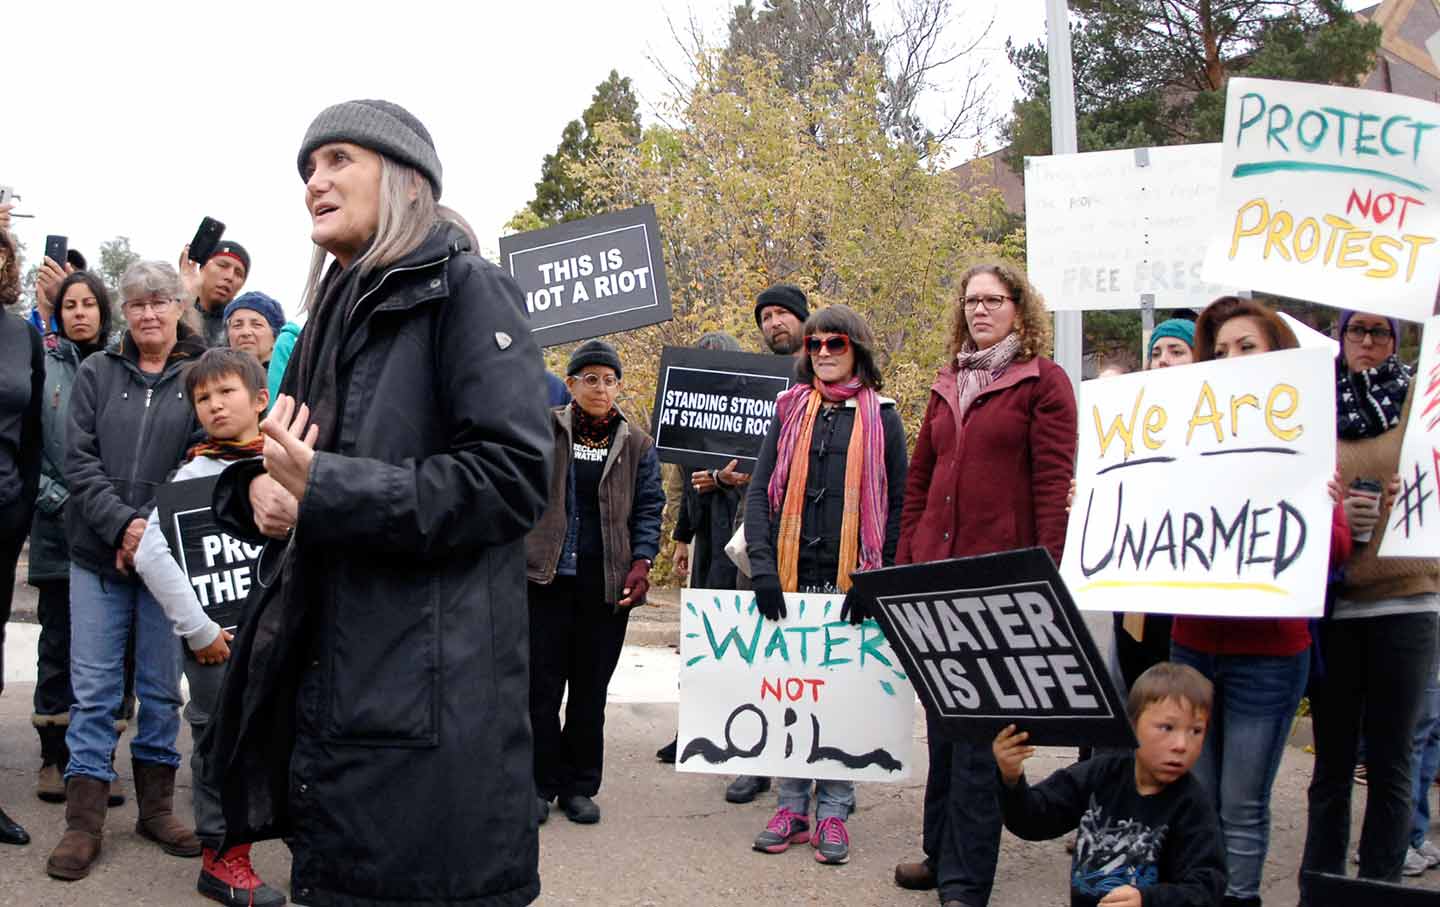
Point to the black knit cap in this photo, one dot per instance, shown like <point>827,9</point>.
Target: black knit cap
<point>381,126</point>
<point>786,296</point>
<point>233,249</point>
<point>593,352</point>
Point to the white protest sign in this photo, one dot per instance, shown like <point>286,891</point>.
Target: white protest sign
<point>809,696</point>
<point>1308,337</point>
<point>1414,527</point>
<point>1202,488</point>
<point>1329,194</point>
<point>1105,228</point>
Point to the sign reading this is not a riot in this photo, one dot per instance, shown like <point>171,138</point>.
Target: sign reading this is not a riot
<point>1203,489</point>
<point>1329,194</point>
<point>810,696</point>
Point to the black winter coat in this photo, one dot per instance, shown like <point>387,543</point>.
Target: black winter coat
<point>709,520</point>
<point>375,712</point>
<point>824,509</point>
<point>125,437</point>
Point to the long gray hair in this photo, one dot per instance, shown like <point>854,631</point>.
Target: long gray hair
<point>404,224</point>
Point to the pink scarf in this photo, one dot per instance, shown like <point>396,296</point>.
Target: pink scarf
<point>977,368</point>
<point>866,483</point>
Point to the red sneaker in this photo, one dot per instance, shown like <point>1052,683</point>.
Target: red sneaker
<point>230,879</point>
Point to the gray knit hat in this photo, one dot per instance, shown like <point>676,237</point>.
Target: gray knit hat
<point>380,126</point>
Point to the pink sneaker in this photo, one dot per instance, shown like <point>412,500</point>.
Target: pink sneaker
<point>831,841</point>
<point>783,829</point>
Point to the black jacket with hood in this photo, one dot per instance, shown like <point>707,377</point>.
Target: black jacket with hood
<point>375,708</point>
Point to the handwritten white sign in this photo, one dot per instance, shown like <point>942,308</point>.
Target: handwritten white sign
<point>809,696</point>
<point>1414,526</point>
<point>1202,488</point>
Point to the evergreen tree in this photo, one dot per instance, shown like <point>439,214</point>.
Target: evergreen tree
<point>560,194</point>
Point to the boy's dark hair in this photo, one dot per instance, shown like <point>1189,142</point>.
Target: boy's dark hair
<point>220,362</point>
<point>1168,680</point>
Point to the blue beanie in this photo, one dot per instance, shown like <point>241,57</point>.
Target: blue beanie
<point>1178,328</point>
<point>259,302</point>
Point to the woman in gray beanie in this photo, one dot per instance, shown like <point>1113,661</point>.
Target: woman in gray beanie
<point>374,714</point>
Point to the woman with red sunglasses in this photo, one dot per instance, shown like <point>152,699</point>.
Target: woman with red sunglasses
<point>824,502</point>
<point>990,472</point>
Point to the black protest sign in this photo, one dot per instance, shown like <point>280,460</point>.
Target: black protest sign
<point>585,278</point>
<point>996,640</point>
<point>712,407</point>
<point>221,568</point>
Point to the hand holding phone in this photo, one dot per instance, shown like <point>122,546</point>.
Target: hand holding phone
<point>207,237</point>
<point>56,248</point>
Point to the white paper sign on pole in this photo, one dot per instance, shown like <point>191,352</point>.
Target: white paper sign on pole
<point>1202,488</point>
<point>1105,228</point>
<point>809,696</point>
<point>1413,529</point>
<point>1329,194</point>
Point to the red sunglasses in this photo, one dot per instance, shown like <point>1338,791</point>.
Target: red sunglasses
<point>835,344</point>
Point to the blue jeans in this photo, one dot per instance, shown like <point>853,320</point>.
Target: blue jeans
<point>832,798</point>
<point>1427,759</point>
<point>1255,701</point>
<point>102,610</point>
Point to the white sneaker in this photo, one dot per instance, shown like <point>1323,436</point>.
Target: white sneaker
<point>1415,862</point>
<point>1430,852</point>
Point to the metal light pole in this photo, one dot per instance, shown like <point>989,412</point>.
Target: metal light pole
<point>1068,332</point>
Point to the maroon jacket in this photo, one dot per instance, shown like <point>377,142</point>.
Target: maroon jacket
<point>998,480</point>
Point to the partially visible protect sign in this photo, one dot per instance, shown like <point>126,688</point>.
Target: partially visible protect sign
<point>996,640</point>
<point>712,407</point>
<point>809,696</point>
<point>221,568</point>
<point>586,278</point>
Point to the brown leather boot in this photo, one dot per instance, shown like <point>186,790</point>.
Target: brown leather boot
<point>155,794</point>
<point>84,820</point>
<point>915,876</point>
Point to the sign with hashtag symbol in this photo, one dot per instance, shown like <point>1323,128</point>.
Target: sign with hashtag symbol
<point>1412,527</point>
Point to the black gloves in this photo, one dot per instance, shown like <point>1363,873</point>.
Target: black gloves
<point>856,607</point>
<point>768,597</point>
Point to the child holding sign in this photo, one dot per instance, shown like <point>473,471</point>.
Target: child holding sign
<point>227,388</point>
<point>1148,833</point>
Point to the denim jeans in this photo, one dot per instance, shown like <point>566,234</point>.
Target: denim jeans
<point>1376,672</point>
<point>1426,747</point>
<point>1255,701</point>
<point>102,610</point>
<point>962,817</point>
<point>832,798</point>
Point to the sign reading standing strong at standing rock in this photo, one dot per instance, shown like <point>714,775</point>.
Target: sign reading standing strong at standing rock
<point>712,407</point>
<point>586,278</point>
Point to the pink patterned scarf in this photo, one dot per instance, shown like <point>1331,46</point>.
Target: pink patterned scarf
<point>977,368</point>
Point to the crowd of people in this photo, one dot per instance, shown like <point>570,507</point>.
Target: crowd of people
<point>434,509</point>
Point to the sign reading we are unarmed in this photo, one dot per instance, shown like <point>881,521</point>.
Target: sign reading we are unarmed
<point>809,696</point>
<point>712,407</point>
<point>1202,489</point>
<point>996,640</point>
<point>221,568</point>
<point>1414,527</point>
<point>1329,194</point>
<point>586,278</point>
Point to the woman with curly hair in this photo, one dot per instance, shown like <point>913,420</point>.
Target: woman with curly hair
<point>990,472</point>
<point>22,385</point>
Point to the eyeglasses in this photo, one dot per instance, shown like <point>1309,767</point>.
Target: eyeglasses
<point>593,381</point>
<point>140,306</point>
<point>835,344</point>
<point>1380,333</point>
<point>991,303</point>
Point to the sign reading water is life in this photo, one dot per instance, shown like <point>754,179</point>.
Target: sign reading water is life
<point>1202,490</point>
<point>809,696</point>
<point>1329,194</point>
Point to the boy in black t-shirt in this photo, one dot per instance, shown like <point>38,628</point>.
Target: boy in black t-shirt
<point>1149,836</point>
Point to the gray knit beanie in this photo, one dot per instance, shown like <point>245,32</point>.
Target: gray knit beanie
<point>381,126</point>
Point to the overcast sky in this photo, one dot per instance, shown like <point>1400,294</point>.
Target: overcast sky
<point>140,118</point>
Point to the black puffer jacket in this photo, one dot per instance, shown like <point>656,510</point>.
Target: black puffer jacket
<point>125,436</point>
<point>375,709</point>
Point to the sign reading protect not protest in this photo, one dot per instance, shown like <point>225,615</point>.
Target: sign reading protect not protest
<point>809,696</point>
<point>221,568</point>
<point>1414,526</point>
<point>1330,194</point>
<point>712,407</point>
<point>1111,229</point>
<point>1202,489</point>
<point>995,640</point>
<point>585,278</point>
